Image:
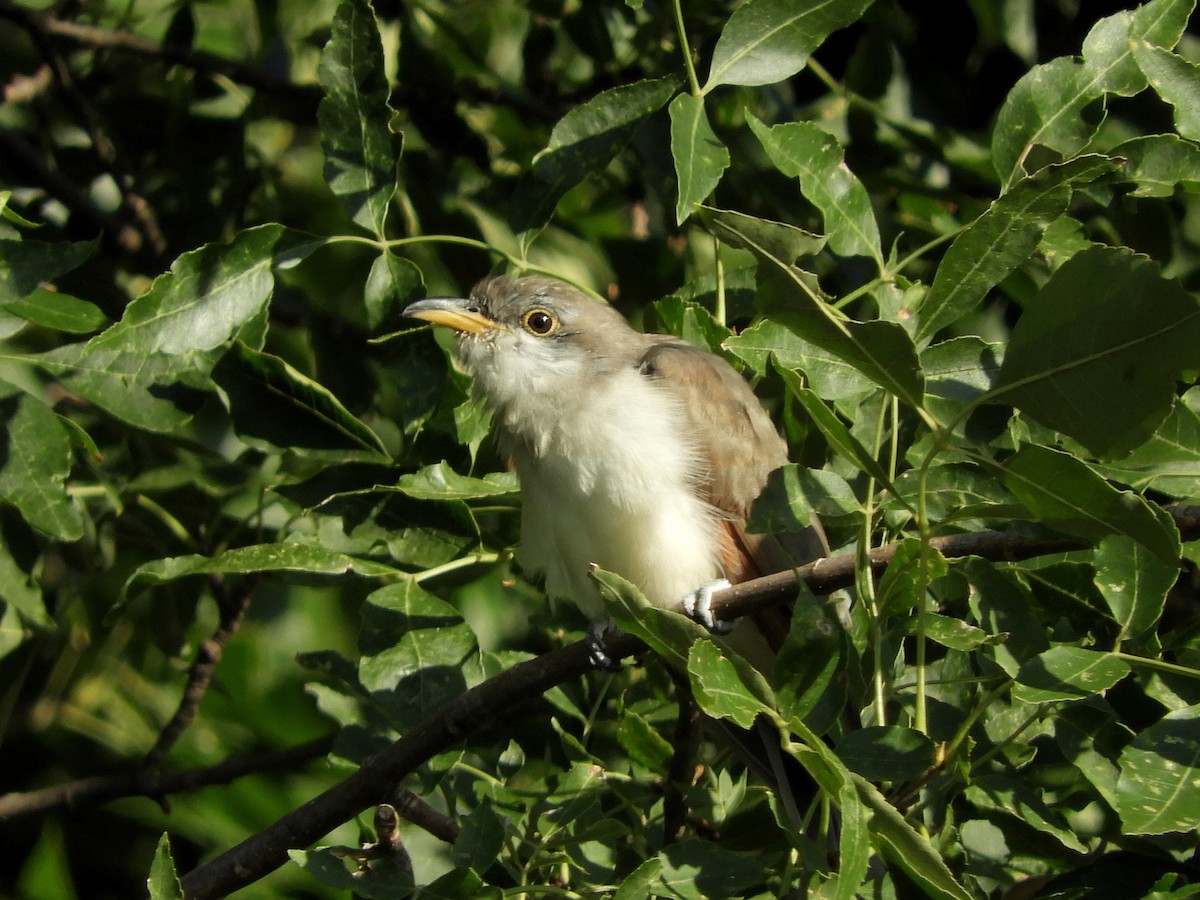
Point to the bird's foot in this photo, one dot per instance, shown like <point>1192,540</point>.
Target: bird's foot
<point>697,605</point>
<point>597,653</point>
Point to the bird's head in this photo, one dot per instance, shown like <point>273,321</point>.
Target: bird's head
<point>532,339</point>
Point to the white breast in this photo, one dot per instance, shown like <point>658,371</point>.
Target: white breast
<point>610,482</point>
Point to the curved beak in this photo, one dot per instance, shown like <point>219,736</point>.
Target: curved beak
<point>453,312</point>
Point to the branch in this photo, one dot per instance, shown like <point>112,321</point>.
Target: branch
<point>232,609</point>
<point>156,783</point>
<point>376,780</point>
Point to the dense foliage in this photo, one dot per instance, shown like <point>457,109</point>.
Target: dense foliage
<point>253,530</point>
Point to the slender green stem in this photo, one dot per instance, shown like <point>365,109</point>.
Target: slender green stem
<point>463,562</point>
<point>719,268</point>
<point>1158,665</point>
<point>685,49</point>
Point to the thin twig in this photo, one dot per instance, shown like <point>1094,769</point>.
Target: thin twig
<point>149,782</point>
<point>232,610</point>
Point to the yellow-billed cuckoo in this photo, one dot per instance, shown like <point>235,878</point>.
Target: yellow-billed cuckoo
<point>636,452</point>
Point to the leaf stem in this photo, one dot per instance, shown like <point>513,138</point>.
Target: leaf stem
<point>686,50</point>
<point>463,562</point>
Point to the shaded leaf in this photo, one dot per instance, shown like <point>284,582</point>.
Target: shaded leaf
<point>35,460</point>
<point>584,141</point>
<point>1120,370</point>
<point>886,752</point>
<point>911,568</point>
<point>273,403</point>
<point>1063,492</point>
<point>787,242</point>
<point>27,265</point>
<point>699,155</point>
<point>701,870</point>
<point>1160,163</point>
<point>392,282</point>
<point>361,151</point>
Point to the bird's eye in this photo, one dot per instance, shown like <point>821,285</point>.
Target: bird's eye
<point>539,322</point>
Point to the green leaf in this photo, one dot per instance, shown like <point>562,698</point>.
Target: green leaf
<point>1060,104</point>
<point>882,351</point>
<point>1170,461</point>
<point>1135,583</point>
<point>584,141</point>
<point>481,838</point>
<point>392,282</point>
<point>1068,673</point>
<point>440,482</point>
<point>1000,240</point>
<point>912,567</point>
<point>272,403</point>
<point>794,493</point>
<point>701,870</point>
<point>328,867</point>
<point>886,752</point>
<point>787,242</point>
<point>766,41</point>
<point>829,376</point>
<point>361,150</point>
<point>35,460</point>
<point>806,151</point>
<point>1156,792</point>
<point>1007,797</point>
<point>854,843</point>
<point>19,591</point>
<point>140,368</point>
<point>1119,370</point>
<point>61,312</point>
<point>805,675</point>
<point>645,746</point>
<point>1159,163</point>
<point>163,882</point>
<point>294,558</point>
<point>1064,493</point>
<point>699,155</point>
<point>718,688</point>
<point>27,265</point>
<point>958,373</point>
<point>1176,80</point>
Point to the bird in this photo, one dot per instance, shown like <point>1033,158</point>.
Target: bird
<point>637,453</point>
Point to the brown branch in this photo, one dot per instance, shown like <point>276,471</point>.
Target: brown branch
<point>415,810</point>
<point>375,781</point>
<point>156,783</point>
<point>126,42</point>
<point>232,611</point>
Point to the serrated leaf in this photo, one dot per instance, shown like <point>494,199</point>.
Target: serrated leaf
<point>1068,673</point>
<point>1002,238</point>
<point>1176,80</point>
<point>1119,371</point>
<point>361,150</point>
<point>699,155</point>
<point>1159,164</point>
<point>787,242</point>
<point>35,460</point>
<point>830,377</point>
<point>882,351</point>
<point>1156,792</point>
<point>1064,493</point>
<point>805,151</point>
<point>145,368</point>
<point>271,402</point>
<point>392,282</point>
<point>163,883</point>
<point>293,558</point>
<point>27,265</point>
<point>1059,104</point>
<point>584,141</point>
<point>766,41</point>
<point>440,482</point>
<point>717,687</point>
<point>1134,583</point>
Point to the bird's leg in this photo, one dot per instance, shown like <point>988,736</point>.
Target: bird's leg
<point>597,630</point>
<point>697,605</point>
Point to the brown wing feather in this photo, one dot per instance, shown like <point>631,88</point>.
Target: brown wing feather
<point>741,448</point>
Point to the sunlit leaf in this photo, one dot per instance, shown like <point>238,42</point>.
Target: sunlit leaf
<point>163,883</point>
<point>1068,673</point>
<point>1135,584</point>
<point>1159,164</point>
<point>699,155</point>
<point>35,460</point>
<point>440,482</point>
<point>1156,792</point>
<point>766,41</point>
<point>1176,80</point>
